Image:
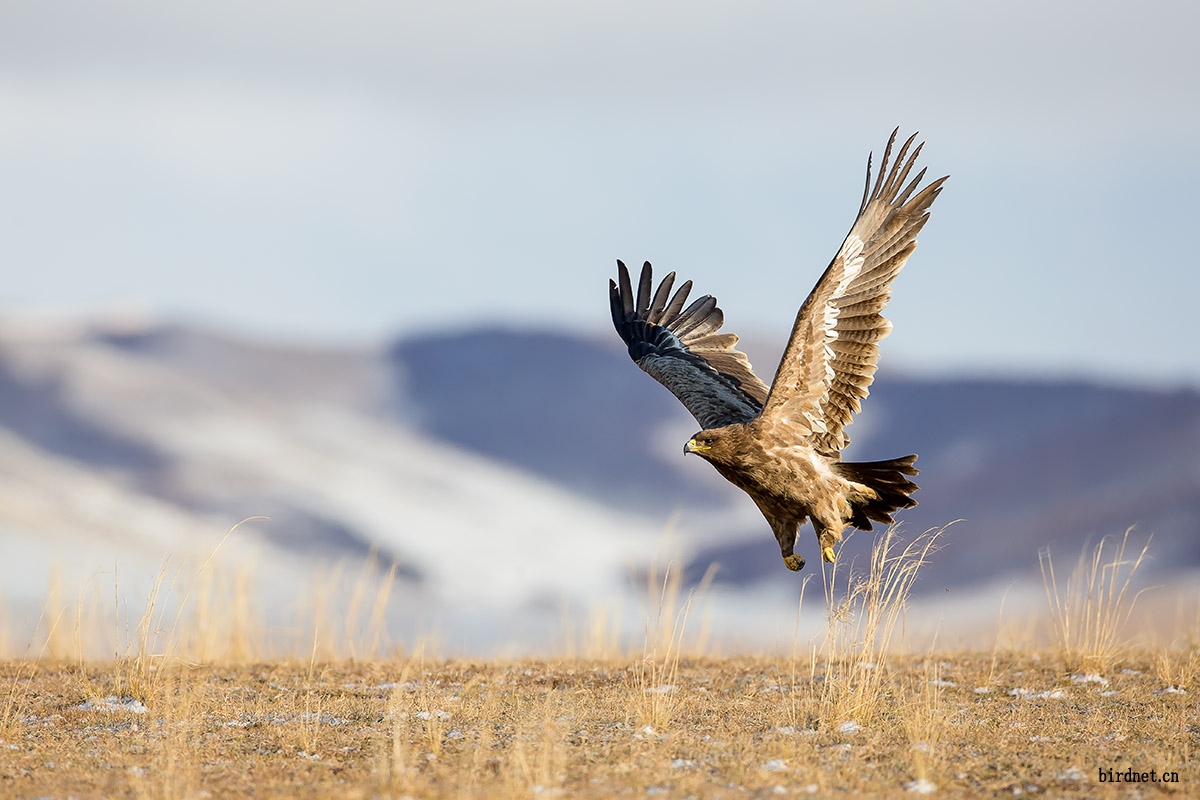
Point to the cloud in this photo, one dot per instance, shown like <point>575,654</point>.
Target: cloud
<point>1059,62</point>
<point>363,167</point>
<point>205,129</point>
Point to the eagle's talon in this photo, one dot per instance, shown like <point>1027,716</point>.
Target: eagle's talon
<point>827,553</point>
<point>793,562</point>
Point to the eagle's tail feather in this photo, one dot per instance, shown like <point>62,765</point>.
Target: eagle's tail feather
<point>888,480</point>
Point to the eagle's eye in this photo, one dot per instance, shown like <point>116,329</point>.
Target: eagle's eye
<point>708,441</point>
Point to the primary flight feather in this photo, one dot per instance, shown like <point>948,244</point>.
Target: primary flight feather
<point>782,445</point>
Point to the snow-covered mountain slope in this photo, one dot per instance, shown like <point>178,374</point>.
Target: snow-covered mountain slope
<point>513,475</point>
<point>175,455</point>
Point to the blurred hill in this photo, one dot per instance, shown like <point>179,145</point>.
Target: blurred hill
<point>1024,464</point>
<point>506,471</point>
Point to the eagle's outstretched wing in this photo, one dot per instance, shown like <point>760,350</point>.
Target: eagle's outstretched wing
<point>682,349</point>
<point>831,357</point>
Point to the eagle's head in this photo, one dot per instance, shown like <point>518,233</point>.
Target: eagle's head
<point>721,445</point>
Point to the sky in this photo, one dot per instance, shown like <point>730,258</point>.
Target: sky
<point>347,172</point>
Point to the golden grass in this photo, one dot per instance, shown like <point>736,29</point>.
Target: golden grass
<point>654,689</point>
<point>865,611</point>
<point>179,713</point>
<point>1090,612</point>
<point>465,728</point>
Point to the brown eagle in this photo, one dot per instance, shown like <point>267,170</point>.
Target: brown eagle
<point>782,446</point>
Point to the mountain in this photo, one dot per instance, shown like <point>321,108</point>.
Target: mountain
<point>139,445</point>
<point>566,408</point>
<point>514,474</point>
<point>1023,464</point>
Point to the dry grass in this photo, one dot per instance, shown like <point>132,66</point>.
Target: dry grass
<point>393,728</point>
<point>851,712</point>
<point>1090,612</point>
<point>864,619</point>
<point>654,689</point>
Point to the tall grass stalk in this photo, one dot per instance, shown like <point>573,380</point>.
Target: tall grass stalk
<point>863,619</point>
<point>1088,614</point>
<point>13,702</point>
<point>156,643</point>
<point>657,671</point>
<point>924,717</point>
<point>597,637</point>
<point>409,695</point>
<point>798,711</point>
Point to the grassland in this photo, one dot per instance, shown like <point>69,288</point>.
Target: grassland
<point>851,714</point>
<point>960,725</point>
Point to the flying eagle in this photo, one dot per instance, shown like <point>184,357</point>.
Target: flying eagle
<point>782,446</point>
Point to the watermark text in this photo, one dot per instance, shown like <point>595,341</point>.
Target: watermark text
<point>1133,776</point>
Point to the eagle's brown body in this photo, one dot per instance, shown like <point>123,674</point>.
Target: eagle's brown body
<point>782,446</point>
<point>792,484</point>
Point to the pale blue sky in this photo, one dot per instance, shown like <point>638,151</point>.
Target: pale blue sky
<point>348,171</point>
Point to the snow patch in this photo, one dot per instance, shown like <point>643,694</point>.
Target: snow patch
<point>114,704</point>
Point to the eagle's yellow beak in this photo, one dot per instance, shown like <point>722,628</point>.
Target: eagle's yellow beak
<point>693,446</point>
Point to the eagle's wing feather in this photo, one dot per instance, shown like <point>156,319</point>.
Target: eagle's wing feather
<point>683,349</point>
<point>833,351</point>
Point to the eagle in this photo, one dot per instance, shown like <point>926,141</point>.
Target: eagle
<point>782,445</point>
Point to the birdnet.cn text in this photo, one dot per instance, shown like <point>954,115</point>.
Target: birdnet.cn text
<point>1111,775</point>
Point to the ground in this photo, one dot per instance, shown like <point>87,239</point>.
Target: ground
<point>949,724</point>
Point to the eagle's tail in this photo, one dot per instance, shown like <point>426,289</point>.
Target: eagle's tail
<point>887,479</point>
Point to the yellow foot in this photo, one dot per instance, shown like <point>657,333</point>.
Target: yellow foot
<point>794,563</point>
<point>827,553</point>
